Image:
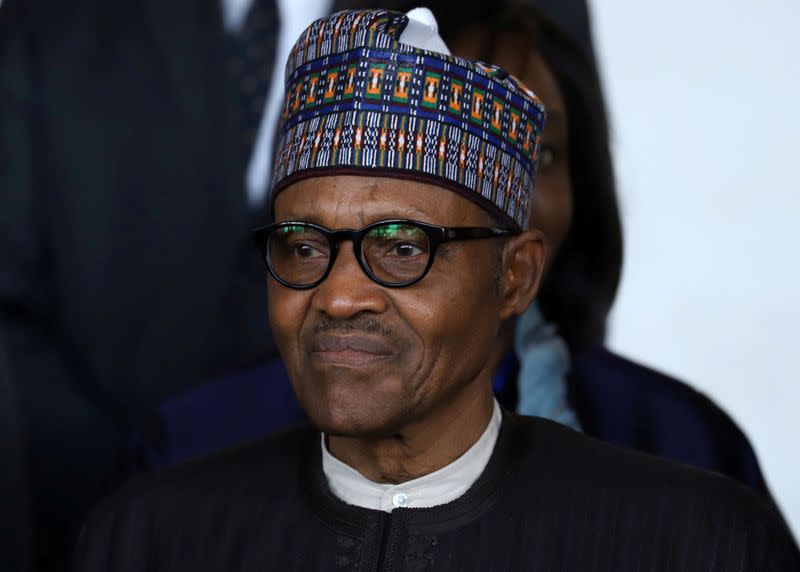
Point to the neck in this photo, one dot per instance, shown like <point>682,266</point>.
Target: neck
<point>425,446</point>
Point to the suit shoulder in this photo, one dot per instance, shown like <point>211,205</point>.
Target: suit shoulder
<point>600,369</point>
<point>624,402</point>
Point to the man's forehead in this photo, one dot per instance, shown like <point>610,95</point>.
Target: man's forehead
<point>362,199</point>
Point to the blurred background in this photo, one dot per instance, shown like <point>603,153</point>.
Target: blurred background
<point>703,108</point>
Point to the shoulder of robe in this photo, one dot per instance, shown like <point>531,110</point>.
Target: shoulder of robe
<point>635,482</point>
<point>225,477</point>
<point>141,521</point>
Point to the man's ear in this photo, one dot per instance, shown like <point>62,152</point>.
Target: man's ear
<point>521,273</point>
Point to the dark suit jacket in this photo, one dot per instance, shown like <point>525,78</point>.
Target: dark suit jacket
<point>15,520</point>
<point>623,402</point>
<point>126,269</point>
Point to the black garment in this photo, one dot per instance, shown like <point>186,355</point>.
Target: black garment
<point>126,269</point>
<point>628,404</point>
<point>15,521</point>
<point>252,58</point>
<point>549,499</point>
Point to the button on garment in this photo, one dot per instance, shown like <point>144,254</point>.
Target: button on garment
<point>399,500</point>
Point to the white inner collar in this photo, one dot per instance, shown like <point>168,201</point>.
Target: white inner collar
<point>440,487</point>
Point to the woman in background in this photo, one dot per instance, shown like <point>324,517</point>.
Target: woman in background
<point>559,367</point>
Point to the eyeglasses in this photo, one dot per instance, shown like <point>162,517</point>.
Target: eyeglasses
<point>393,253</point>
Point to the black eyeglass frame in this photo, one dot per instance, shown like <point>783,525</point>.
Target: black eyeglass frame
<point>436,235</point>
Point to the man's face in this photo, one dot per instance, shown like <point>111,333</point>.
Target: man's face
<point>368,360</point>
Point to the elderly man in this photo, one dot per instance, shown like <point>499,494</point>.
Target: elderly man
<point>401,245</point>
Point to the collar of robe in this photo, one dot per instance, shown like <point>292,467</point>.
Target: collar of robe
<point>479,498</point>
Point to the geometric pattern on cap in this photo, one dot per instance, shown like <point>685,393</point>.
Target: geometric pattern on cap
<point>358,101</point>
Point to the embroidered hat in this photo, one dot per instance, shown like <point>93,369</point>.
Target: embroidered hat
<point>360,100</point>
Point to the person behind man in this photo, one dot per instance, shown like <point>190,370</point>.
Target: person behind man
<point>401,244</point>
<point>132,138</point>
<point>15,525</point>
<point>557,364</point>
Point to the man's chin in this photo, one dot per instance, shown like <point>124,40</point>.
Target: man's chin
<point>354,403</point>
<point>358,424</point>
<point>364,433</point>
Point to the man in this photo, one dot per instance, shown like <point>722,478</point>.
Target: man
<point>391,272</point>
<point>610,397</point>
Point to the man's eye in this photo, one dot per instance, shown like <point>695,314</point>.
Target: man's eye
<point>406,249</point>
<point>306,251</point>
<point>547,156</point>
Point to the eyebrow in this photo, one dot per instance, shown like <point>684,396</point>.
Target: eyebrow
<point>408,212</point>
<point>400,213</point>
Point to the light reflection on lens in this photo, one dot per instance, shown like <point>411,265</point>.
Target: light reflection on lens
<point>298,254</point>
<point>396,253</point>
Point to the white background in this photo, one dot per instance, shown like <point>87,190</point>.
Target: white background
<point>704,98</point>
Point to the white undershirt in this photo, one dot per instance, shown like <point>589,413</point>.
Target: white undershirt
<point>295,16</point>
<point>440,487</point>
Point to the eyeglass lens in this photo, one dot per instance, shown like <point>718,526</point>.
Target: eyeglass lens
<point>394,253</point>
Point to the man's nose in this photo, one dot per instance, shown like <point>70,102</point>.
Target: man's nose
<point>347,290</point>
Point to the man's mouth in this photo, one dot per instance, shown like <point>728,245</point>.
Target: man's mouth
<point>354,350</point>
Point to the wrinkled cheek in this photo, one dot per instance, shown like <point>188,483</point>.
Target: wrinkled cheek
<point>458,341</point>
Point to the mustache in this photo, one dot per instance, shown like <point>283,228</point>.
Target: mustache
<point>358,323</point>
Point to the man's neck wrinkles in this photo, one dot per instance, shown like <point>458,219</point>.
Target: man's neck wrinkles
<point>415,452</point>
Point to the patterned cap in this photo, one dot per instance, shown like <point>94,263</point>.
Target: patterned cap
<point>361,102</point>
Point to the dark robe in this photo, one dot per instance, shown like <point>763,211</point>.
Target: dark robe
<point>549,499</point>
